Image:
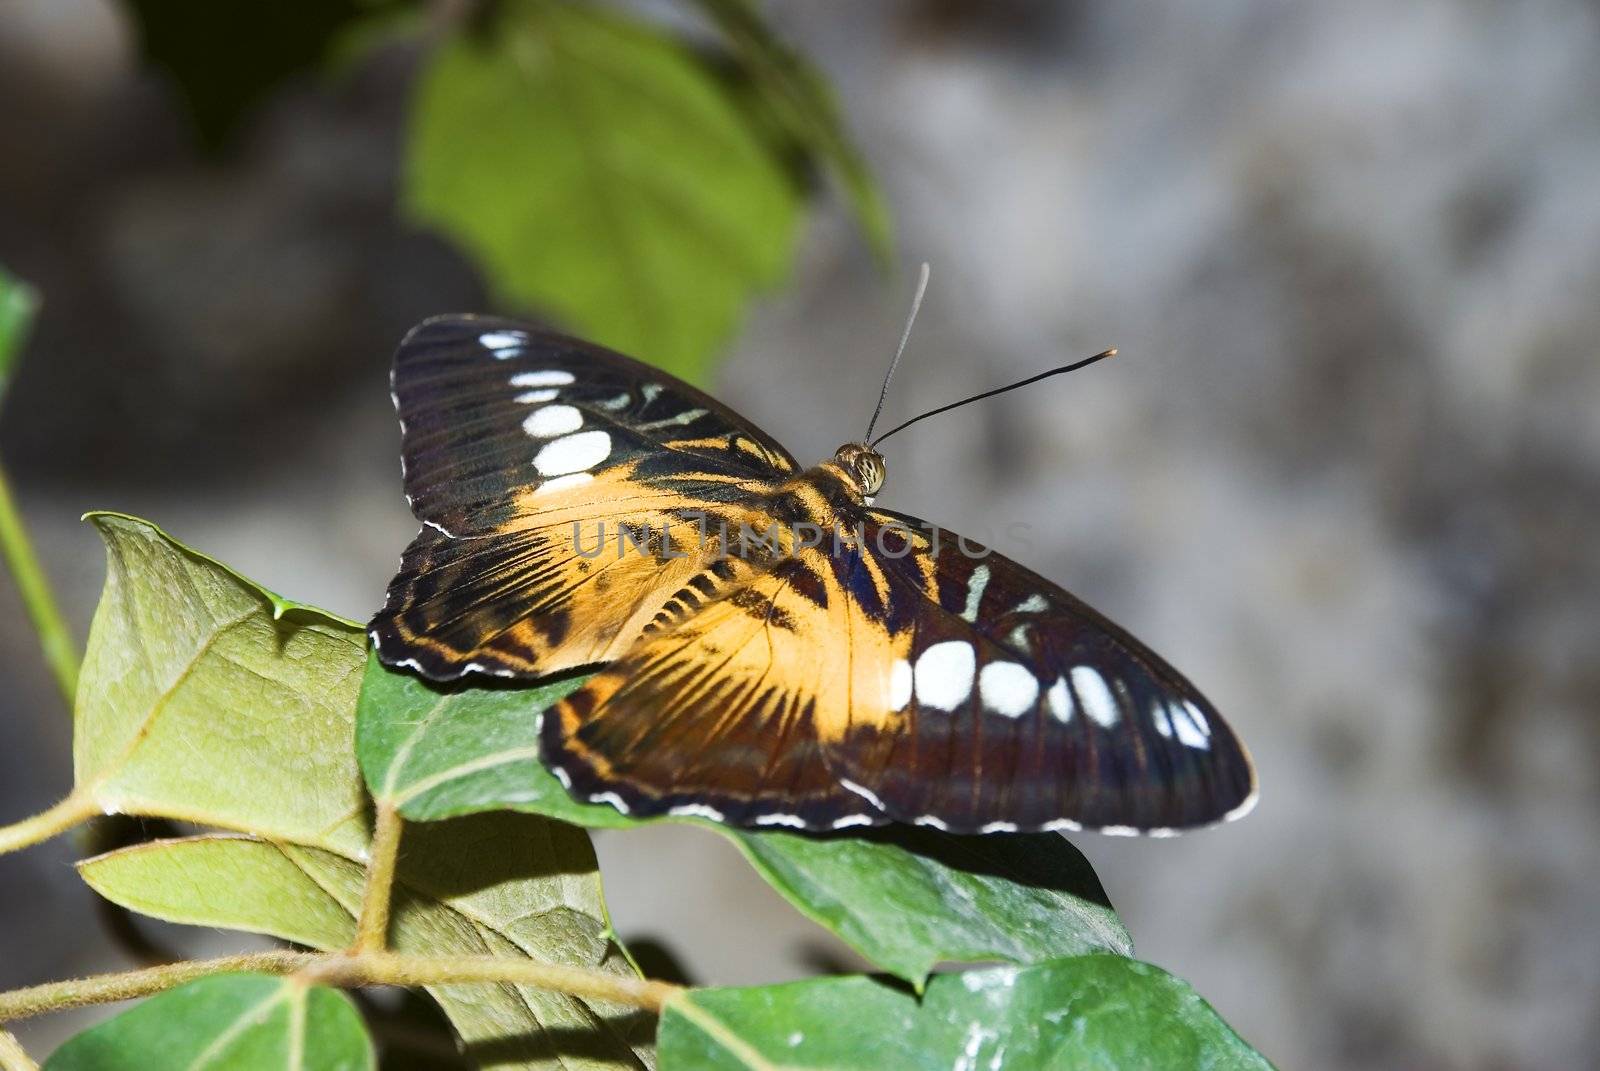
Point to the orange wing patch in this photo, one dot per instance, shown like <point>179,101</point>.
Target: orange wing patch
<point>728,709</point>
<point>571,579</point>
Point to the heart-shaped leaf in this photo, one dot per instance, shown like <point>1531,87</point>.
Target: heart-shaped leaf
<point>905,899</point>
<point>1086,1012</point>
<point>228,1022</point>
<point>208,699</point>
<point>205,698</point>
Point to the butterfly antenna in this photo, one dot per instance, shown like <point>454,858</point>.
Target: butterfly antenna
<point>1086,362</point>
<point>916,303</point>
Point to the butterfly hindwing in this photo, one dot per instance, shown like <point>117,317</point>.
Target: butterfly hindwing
<point>523,452</point>
<point>722,710</point>
<point>931,684</point>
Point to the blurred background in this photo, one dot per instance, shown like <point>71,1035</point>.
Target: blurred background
<point>1345,474</point>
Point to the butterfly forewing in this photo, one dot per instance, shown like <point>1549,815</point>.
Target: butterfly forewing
<point>481,401</point>
<point>522,450</point>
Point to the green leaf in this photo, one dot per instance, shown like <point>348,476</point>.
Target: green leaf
<point>228,1022</point>
<point>906,899</point>
<point>798,101</point>
<point>206,698</point>
<point>503,885</point>
<point>1087,1012</point>
<point>599,172</point>
<point>226,58</point>
<point>18,303</point>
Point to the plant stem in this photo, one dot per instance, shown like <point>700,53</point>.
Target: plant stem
<point>13,1057</point>
<point>60,651</point>
<point>388,968</point>
<point>372,929</point>
<point>76,809</point>
<point>106,988</point>
<point>342,969</point>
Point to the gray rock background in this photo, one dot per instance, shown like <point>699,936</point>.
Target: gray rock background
<point>1346,473</point>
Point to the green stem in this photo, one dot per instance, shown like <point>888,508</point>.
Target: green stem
<point>107,988</point>
<point>388,968</point>
<point>59,649</point>
<point>342,969</point>
<point>372,930</point>
<point>76,809</point>
<point>13,1057</point>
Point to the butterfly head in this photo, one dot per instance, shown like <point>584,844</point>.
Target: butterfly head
<point>864,464</point>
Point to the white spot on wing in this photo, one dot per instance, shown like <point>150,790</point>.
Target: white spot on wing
<point>1158,715</point>
<point>545,377</point>
<point>863,791</point>
<point>533,396</point>
<point>899,684</point>
<point>573,453</point>
<point>792,820</point>
<point>1098,702</point>
<point>975,585</point>
<point>1008,688</point>
<point>998,827</point>
<point>1063,824</point>
<point>930,821</point>
<point>1033,604</point>
<point>548,421</point>
<point>1183,723</point>
<point>562,483</point>
<point>500,341</point>
<point>688,416</point>
<point>696,810</point>
<point>851,820</point>
<point>1119,831</point>
<point>944,674</point>
<point>611,798</point>
<point>1060,700</point>
<point>1244,808</point>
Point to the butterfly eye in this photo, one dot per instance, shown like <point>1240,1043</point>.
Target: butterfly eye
<point>870,470</point>
<point>865,464</point>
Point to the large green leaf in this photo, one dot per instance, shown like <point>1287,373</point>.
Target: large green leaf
<point>228,1022</point>
<point>18,303</point>
<point>1087,1012</point>
<point>905,899</point>
<point>599,172</point>
<point>503,885</point>
<point>205,698</point>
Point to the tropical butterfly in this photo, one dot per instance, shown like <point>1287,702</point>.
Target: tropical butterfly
<point>775,650</point>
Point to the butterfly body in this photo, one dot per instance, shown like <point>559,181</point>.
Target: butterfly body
<point>774,649</point>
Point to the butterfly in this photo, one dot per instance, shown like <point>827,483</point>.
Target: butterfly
<point>774,649</point>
